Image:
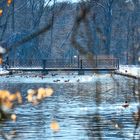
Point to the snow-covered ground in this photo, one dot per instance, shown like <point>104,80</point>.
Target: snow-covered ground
<point>130,70</point>
<point>3,72</point>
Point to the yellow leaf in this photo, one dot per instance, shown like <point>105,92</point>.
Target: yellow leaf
<point>1,61</point>
<point>29,98</point>
<point>49,92</point>
<point>7,104</point>
<point>13,117</point>
<point>54,126</point>
<point>1,11</point>
<point>4,94</point>
<point>9,2</point>
<point>12,97</point>
<point>41,93</point>
<point>19,97</point>
<point>31,91</point>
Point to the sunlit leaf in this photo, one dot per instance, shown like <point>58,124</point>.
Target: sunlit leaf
<point>49,92</point>
<point>31,91</point>
<point>19,97</point>
<point>41,93</point>
<point>13,117</point>
<point>4,94</point>
<point>54,126</point>
<point>1,61</point>
<point>12,97</point>
<point>30,98</point>
<point>6,105</point>
<point>9,2</point>
<point>1,11</point>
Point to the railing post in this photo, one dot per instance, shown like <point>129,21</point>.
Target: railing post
<point>78,60</point>
<point>118,64</point>
<point>44,63</point>
<point>44,66</point>
<point>81,63</point>
<point>96,64</point>
<point>81,71</point>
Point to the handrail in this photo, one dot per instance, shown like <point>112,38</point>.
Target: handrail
<point>65,63</point>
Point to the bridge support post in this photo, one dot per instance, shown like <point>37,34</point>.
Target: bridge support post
<point>78,61</point>
<point>44,72</point>
<point>44,64</point>
<point>117,63</point>
<point>96,62</point>
<point>81,71</point>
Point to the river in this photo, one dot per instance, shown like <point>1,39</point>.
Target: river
<point>84,110</point>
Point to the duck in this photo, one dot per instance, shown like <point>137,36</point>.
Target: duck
<point>66,81</point>
<point>78,80</point>
<point>54,74</point>
<point>125,105</point>
<point>56,80</point>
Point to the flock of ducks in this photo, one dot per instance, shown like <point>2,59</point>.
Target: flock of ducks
<point>55,80</point>
<point>65,81</point>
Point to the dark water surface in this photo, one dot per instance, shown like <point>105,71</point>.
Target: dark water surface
<point>85,111</point>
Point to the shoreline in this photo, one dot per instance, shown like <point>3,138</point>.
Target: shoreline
<point>127,75</point>
<point>130,71</point>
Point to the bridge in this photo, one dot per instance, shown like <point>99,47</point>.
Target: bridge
<point>79,65</point>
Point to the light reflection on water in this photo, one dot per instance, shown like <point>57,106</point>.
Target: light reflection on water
<point>85,111</point>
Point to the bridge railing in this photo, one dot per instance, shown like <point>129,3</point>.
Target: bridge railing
<point>101,63</point>
<point>67,63</point>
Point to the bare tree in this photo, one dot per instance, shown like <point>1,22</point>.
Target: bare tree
<point>106,6</point>
<point>4,18</point>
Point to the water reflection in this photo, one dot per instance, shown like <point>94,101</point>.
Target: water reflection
<point>85,111</point>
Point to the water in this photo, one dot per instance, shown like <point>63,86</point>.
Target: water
<point>85,110</point>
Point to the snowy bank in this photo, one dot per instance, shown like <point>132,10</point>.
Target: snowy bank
<point>3,72</point>
<point>129,70</point>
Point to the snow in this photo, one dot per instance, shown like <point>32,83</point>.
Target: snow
<point>2,50</point>
<point>28,68</point>
<point>133,70</point>
<point>3,72</point>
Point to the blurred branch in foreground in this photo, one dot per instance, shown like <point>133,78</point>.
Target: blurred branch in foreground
<point>82,17</point>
